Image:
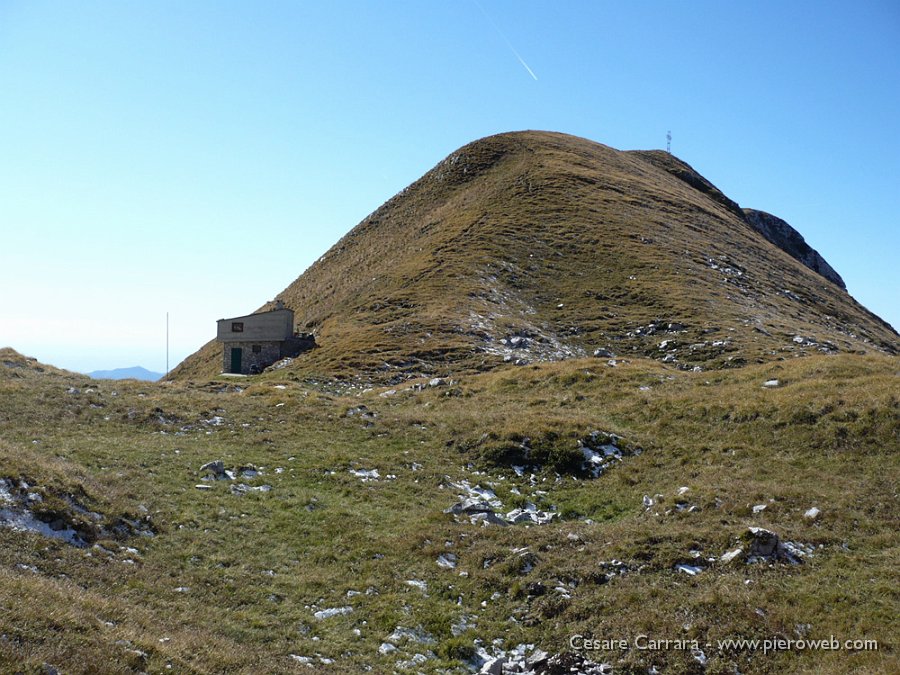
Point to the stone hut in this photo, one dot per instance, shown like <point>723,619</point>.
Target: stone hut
<point>253,342</point>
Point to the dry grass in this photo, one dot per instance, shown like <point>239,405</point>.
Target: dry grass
<point>257,566</point>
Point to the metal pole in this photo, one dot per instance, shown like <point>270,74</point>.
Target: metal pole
<point>167,345</point>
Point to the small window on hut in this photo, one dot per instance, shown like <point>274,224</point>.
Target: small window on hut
<point>237,327</point>
<point>257,349</point>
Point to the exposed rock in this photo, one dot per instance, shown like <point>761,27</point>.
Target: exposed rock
<point>416,635</point>
<point>74,524</point>
<point>812,513</point>
<point>240,489</point>
<point>699,656</point>
<point>248,471</point>
<point>791,242</point>
<point>731,556</point>
<point>538,662</point>
<point>599,454</point>
<point>361,411</point>
<point>494,666</point>
<point>447,561</point>
<point>215,470</point>
<point>765,545</point>
<point>691,570</point>
<point>488,518</point>
<point>771,383</point>
<point>333,611</point>
<point>481,505</point>
<point>762,543</point>
<point>530,514</point>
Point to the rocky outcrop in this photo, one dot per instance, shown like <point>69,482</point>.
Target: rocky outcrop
<point>791,242</point>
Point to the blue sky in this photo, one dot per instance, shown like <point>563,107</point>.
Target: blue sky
<point>195,157</point>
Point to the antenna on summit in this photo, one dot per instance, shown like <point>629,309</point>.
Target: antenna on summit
<point>669,142</point>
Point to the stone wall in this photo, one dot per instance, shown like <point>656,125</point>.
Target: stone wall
<point>269,352</point>
<point>251,362</point>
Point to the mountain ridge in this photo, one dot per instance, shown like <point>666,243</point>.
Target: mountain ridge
<point>133,372</point>
<point>569,246</point>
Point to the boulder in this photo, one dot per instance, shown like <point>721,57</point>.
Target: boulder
<point>765,545</point>
<point>214,469</point>
<point>762,543</point>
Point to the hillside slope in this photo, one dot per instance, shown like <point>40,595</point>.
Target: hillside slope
<point>535,246</point>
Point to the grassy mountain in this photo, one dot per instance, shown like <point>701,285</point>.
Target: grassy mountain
<point>569,246</point>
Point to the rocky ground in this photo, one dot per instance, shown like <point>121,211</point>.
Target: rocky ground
<point>494,523</point>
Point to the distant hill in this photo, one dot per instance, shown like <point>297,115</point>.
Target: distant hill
<point>133,373</point>
<point>538,246</point>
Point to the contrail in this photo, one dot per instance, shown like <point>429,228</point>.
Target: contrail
<point>506,40</point>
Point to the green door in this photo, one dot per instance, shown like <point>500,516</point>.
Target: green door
<point>236,358</point>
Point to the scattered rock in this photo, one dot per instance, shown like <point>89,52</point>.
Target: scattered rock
<point>771,384</point>
<point>241,489</point>
<point>812,513</point>
<point>361,411</point>
<point>519,660</point>
<point>731,556</point>
<point>417,583</point>
<point>447,561</point>
<point>481,505</point>
<point>215,470</point>
<point>699,656</point>
<point>248,471</point>
<point>334,611</point>
<point>530,514</point>
<point>691,570</point>
<point>416,635</point>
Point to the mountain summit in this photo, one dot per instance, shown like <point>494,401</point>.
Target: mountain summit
<point>533,246</point>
